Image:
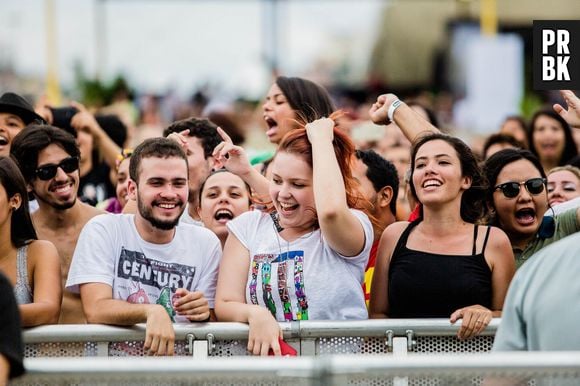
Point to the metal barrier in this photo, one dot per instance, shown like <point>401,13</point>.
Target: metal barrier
<point>316,338</point>
<point>537,368</point>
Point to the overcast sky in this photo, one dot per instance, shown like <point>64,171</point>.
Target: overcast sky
<point>183,44</point>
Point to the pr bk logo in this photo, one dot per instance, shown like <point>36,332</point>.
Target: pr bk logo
<point>556,54</point>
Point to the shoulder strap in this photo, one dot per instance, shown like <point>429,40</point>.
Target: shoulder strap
<point>485,240</point>
<point>475,228</point>
<point>404,236</point>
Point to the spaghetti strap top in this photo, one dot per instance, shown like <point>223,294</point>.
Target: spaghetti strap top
<point>431,285</point>
<point>22,290</point>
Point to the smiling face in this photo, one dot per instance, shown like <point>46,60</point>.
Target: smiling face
<point>548,138</point>
<point>278,114</point>
<point>292,192</point>
<point>437,176</point>
<point>59,192</point>
<point>161,191</point>
<point>520,217</point>
<point>563,186</point>
<point>223,198</point>
<point>10,126</point>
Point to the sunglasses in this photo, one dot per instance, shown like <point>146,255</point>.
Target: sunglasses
<point>68,165</point>
<point>511,189</point>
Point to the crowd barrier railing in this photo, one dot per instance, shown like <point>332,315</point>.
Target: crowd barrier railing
<point>531,368</point>
<point>309,338</point>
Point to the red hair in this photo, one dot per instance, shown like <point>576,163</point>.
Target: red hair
<point>296,142</point>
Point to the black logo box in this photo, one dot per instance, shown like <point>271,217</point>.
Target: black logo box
<point>573,27</point>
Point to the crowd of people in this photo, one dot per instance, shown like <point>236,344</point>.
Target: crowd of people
<point>184,228</point>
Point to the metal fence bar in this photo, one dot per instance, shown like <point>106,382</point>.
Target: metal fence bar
<point>230,339</point>
<point>306,370</point>
<point>223,330</point>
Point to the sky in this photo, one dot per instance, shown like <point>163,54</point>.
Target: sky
<point>184,44</point>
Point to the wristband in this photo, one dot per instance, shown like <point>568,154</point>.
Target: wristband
<point>395,105</point>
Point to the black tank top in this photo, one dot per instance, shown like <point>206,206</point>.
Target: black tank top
<point>431,285</point>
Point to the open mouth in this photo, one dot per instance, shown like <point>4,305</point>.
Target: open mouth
<point>526,216</point>
<point>270,122</point>
<point>549,147</point>
<point>223,215</point>
<point>287,208</point>
<point>431,184</point>
<point>62,190</point>
<point>272,125</point>
<point>3,141</point>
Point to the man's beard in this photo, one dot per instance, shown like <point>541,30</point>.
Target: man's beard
<point>57,206</point>
<point>165,225</point>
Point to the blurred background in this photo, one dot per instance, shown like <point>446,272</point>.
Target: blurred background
<point>155,61</point>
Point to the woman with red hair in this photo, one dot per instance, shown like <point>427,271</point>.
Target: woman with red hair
<point>306,260</point>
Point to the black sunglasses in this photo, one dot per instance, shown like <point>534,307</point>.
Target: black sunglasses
<point>68,165</point>
<point>511,189</point>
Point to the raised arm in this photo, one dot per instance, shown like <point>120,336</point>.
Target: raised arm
<point>411,123</point>
<point>230,302</point>
<point>100,307</point>
<point>84,120</point>
<point>341,228</point>
<point>572,114</point>
<point>234,159</point>
<point>46,284</point>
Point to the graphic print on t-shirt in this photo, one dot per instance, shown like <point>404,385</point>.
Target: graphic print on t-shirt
<point>144,280</point>
<point>284,265</point>
<point>138,296</point>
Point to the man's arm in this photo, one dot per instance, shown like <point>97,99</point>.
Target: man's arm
<point>100,307</point>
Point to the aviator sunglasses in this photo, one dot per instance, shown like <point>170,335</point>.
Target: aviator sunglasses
<point>511,189</point>
<point>68,165</point>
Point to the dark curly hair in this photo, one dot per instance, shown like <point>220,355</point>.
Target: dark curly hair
<point>201,128</point>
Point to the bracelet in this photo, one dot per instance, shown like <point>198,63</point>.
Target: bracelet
<point>395,105</point>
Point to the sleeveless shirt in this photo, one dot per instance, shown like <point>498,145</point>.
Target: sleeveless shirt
<point>432,285</point>
<point>22,290</point>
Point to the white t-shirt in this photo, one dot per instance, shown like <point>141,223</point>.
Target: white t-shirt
<point>111,251</point>
<point>187,219</point>
<point>304,279</point>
